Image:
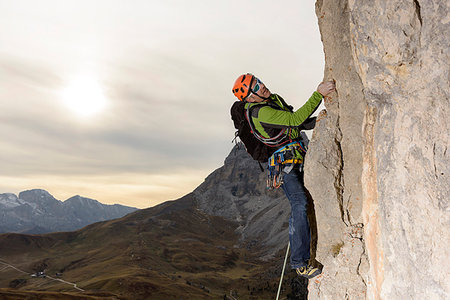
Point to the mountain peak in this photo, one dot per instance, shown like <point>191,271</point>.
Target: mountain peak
<point>9,200</point>
<point>36,195</point>
<point>37,211</point>
<point>78,198</point>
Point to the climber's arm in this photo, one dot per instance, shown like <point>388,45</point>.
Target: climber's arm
<point>273,118</point>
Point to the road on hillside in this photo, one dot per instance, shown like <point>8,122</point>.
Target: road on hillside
<point>46,276</point>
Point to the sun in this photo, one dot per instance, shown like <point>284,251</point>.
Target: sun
<point>84,95</point>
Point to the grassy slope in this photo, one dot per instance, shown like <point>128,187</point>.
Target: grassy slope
<point>166,252</point>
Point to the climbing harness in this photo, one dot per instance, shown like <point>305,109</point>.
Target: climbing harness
<point>282,272</point>
<point>284,159</point>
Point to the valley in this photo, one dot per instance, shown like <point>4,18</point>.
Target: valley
<point>171,251</point>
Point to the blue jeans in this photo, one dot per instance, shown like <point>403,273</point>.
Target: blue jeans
<point>299,231</point>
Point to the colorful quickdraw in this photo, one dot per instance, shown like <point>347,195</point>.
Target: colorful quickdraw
<point>283,156</point>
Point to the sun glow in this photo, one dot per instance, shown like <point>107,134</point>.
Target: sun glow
<point>84,95</point>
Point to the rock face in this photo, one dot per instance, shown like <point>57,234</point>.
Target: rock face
<point>377,165</point>
<point>237,192</point>
<point>36,211</point>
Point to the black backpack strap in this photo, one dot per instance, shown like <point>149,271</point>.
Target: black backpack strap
<point>260,166</point>
<point>308,124</point>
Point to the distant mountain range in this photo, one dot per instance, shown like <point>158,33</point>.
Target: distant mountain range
<point>224,240</point>
<point>37,211</point>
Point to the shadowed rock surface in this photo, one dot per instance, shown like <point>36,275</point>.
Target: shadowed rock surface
<point>237,191</point>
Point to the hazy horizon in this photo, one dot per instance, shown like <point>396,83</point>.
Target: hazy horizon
<point>129,103</point>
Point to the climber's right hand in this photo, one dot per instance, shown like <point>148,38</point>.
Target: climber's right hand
<point>325,88</point>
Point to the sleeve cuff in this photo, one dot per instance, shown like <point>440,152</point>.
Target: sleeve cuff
<point>317,94</point>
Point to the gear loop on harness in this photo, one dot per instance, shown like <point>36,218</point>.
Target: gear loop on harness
<point>283,160</point>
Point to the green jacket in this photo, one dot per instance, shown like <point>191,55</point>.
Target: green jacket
<point>268,120</point>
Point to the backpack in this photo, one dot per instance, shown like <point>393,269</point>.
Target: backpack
<point>256,147</point>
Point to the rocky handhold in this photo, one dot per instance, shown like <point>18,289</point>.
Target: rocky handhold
<point>378,158</point>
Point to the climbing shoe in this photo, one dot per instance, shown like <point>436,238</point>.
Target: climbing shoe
<point>308,271</point>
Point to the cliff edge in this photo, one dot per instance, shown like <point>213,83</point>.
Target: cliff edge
<point>377,165</point>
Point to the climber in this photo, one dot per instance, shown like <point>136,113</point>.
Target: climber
<point>277,126</point>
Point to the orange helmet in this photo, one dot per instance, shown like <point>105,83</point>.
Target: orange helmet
<point>242,85</point>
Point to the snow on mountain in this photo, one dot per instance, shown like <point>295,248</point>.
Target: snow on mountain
<point>37,211</point>
<point>9,200</point>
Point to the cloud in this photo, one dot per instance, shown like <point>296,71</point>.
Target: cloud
<point>168,109</point>
<point>27,73</point>
<point>133,189</point>
<point>166,68</point>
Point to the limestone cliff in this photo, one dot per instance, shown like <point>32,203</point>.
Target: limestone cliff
<point>377,165</point>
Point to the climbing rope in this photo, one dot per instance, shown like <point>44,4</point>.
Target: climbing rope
<point>282,272</point>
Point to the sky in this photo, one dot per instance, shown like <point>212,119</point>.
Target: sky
<point>128,101</point>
